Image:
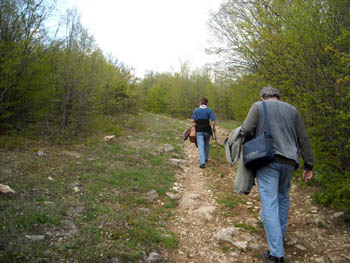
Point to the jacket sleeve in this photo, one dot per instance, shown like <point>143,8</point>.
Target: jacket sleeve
<point>304,144</point>
<point>212,117</point>
<point>194,115</point>
<point>248,128</point>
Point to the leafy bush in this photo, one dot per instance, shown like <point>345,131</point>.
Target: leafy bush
<point>106,125</point>
<point>335,191</point>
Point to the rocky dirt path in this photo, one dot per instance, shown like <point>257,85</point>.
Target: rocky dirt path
<point>214,225</point>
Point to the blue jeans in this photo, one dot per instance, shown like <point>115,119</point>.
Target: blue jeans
<point>203,146</point>
<point>274,185</point>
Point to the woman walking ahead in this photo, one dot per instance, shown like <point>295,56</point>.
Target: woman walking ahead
<point>201,117</point>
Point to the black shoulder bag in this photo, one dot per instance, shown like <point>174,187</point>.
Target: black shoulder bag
<point>259,151</point>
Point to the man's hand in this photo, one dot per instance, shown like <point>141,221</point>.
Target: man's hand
<point>307,175</point>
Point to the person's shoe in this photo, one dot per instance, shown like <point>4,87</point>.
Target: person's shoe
<point>271,259</point>
<point>202,166</point>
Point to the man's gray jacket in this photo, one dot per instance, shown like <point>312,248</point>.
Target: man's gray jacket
<point>233,145</point>
<point>244,179</point>
<point>288,132</point>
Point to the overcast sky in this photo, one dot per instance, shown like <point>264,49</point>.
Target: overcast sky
<point>155,35</point>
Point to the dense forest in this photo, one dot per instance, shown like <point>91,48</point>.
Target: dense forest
<point>57,83</point>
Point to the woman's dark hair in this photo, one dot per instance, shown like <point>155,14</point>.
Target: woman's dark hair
<point>204,101</point>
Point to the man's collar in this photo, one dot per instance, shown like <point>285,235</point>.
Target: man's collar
<point>203,106</point>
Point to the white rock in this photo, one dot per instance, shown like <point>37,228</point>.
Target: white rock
<point>294,187</point>
<point>152,195</point>
<point>292,242</point>
<point>50,178</point>
<point>320,221</point>
<point>337,215</point>
<point>75,184</point>
<point>254,222</point>
<point>314,209</point>
<point>173,196</point>
<point>40,153</point>
<point>35,237</point>
<point>335,259</point>
<point>146,210</point>
<point>168,148</point>
<point>76,189</point>
<point>6,189</point>
<point>225,235</point>
<point>109,138</point>
<point>205,212</point>
<point>194,196</point>
<point>320,260</point>
<point>175,162</point>
<point>246,236</point>
<point>187,202</point>
<point>241,245</point>
<point>301,247</point>
<point>114,260</point>
<point>176,188</point>
<point>73,154</point>
<point>70,228</point>
<point>153,258</point>
<point>254,245</point>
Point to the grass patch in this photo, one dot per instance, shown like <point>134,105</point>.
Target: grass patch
<point>245,226</point>
<point>228,124</point>
<point>217,152</point>
<point>230,201</point>
<point>12,142</point>
<point>89,199</point>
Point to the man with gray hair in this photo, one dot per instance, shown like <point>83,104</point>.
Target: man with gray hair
<point>289,139</point>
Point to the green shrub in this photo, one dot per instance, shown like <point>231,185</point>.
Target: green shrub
<point>107,125</point>
<point>335,191</point>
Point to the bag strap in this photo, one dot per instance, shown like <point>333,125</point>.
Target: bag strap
<point>266,119</point>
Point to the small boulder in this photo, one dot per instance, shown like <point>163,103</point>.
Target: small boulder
<point>35,237</point>
<point>168,148</point>
<point>320,260</point>
<point>187,202</point>
<point>243,245</point>
<point>194,196</point>
<point>205,212</point>
<point>152,195</point>
<point>175,162</point>
<point>6,189</point>
<point>109,138</point>
<point>173,196</point>
<point>114,260</point>
<point>301,247</point>
<point>337,215</point>
<point>225,235</point>
<point>154,258</point>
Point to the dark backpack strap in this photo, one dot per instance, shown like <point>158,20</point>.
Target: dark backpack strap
<point>266,119</point>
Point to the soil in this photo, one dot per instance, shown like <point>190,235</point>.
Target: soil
<point>208,205</point>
